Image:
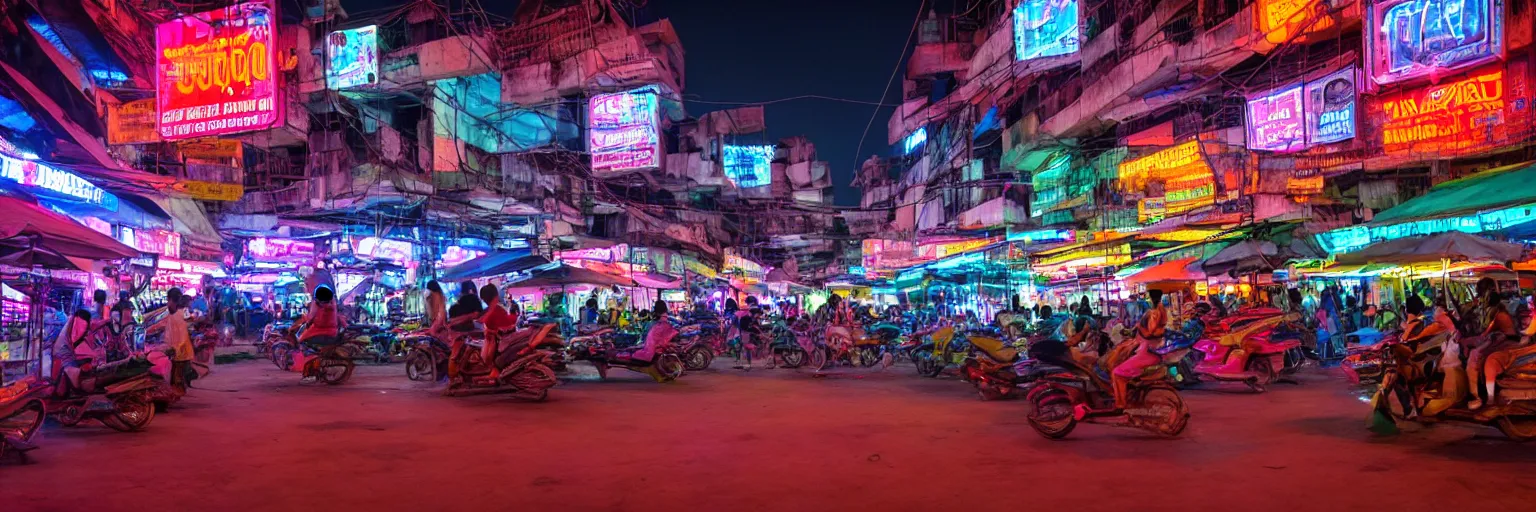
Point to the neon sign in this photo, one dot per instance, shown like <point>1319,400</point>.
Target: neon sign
<point>749,166</point>
<point>1046,28</point>
<point>455,255</point>
<point>215,72</point>
<point>624,131</point>
<point>1275,120</point>
<point>31,173</point>
<point>1358,237</point>
<point>153,241</point>
<point>1281,19</point>
<point>1408,39</point>
<point>353,57</point>
<point>1043,236</point>
<point>1330,107</point>
<point>914,141</point>
<point>280,249</point>
<point>1450,117</point>
<point>396,251</point>
<point>1189,182</point>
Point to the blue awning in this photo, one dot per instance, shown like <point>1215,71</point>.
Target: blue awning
<point>494,264</point>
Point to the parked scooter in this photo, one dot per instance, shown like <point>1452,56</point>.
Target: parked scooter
<point>523,358</point>
<point>854,346</point>
<point>117,394</point>
<point>1062,393</point>
<point>991,368</point>
<point>641,353</point>
<point>22,411</point>
<point>1512,409</point>
<point>941,350</point>
<point>1250,354</point>
<point>427,359</point>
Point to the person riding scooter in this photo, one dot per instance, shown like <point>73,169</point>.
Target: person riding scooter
<point>1149,336</point>
<point>323,323</point>
<point>75,354</point>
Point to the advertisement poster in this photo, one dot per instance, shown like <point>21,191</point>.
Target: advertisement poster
<point>215,72</point>
<point>1046,28</point>
<point>1275,120</point>
<point>352,58</point>
<point>1330,107</point>
<point>132,123</point>
<point>1408,39</point>
<point>749,166</point>
<point>209,191</point>
<point>280,249</point>
<point>1479,110</point>
<point>624,131</point>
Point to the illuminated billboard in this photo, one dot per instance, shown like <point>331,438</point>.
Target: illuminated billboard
<point>1480,110</point>
<point>1046,28</point>
<point>1280,20</point>
<point>31,173</point>
<point>1330,107</point>
<point>749,166</point>
<point>1408,39</point>
<point>216,73</point>
<point>624,131</point>
<point>352,57</point>
<point>1187,180</point>
<point>1275,120</point>
<point>914,140</point>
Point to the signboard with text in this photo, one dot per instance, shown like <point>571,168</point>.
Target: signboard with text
<point>1330,107</point>
<point>1275,120</point>
<point>1480,110</point>
<point>352,58</point>
<point>132,123</point>
<point>31,173</point>
<point>624,131</point>
<point>1046,28</point>
<point>749,166</point>
<point>216,72</point>
<point>1409,39</point>
<point>1303,115</point>
<point>209,191</point>
<point>1188,182</point>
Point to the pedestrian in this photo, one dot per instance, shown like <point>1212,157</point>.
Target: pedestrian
<point>177,337</point>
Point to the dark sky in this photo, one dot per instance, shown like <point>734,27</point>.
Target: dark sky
<point>763,50</point>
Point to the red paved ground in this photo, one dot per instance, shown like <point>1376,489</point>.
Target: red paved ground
<point>768,440</point>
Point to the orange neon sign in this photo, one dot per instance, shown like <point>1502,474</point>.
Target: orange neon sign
<point>1465,114</point>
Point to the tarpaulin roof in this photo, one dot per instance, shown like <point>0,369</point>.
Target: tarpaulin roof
<point>567,275</point>
<point>54,232</point>
<point>494,264</point>
<point>1504,186</point>
<point>1454,246</point>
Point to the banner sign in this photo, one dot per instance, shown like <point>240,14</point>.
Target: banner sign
<point>396,251</point>
<point>153,241</point>
<point>211,149</point>
<point>1046,28</point>
<point>1468,113</point>
<point>1330,107</point>
<point>132,123</point>
<point>32,173</point>
<point>352,58</point>
<point>456,255</point>
<point>277,249</point>
<point>1282,19</point>
<point>1188,181</point>
<point>209,191</point>
<point>1275,120</point>
<point>1408,39</point>
<point>749,166</point>
<point>215,72</point>
<point>625,131</point>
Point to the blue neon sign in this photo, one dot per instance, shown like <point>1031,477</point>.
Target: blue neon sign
<point>1046,28</point>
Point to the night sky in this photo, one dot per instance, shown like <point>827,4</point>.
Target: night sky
<point>754,51</point>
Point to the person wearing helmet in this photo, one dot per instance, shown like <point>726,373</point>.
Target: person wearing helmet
<point>323,323</point>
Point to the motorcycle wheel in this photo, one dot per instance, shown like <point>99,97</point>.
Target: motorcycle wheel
<point>1177,417</point>
<point>1518,428</point>
<point>1261,366</point>
<point>794,358</point>
<point>25,422</point>
<point>698,358</point>
<point>818,359</point>
<point>668,367</point>
<point>1050,414</point>
<point>989,392</point>
<point>534,380</point>
<point>335,371</point>
<point>869,357</point>
<point>134,412</point>
<point>420,367</point>
<point>282,356</point>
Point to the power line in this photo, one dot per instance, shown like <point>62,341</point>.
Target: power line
<point>916,20</point>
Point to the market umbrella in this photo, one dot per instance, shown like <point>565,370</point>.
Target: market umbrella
<point>493,264</point>
<point>1175,270</point>
<point>1453,246</point>
<point>26,225</point>
<point>1245,257</point>
<point>657,281</point>
<point>566,275</point>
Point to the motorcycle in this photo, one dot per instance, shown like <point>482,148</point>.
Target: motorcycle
<point>1251,354</point>
<point>1512,409</point>
<point>939,351</point>
<point>698,342</point>
<point>991,367</point>
<point>1063,394</point>
<point>524,360</point>
<point>1363,362</point>
<point>854,346</point>
<point>331,364</point>
<point>22,412</point>
<point>646,354</point>
<point>118,394</point>
<point>427,359</point>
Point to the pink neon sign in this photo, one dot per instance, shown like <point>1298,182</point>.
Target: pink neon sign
<point>1275,120</point>
<point>271,249</point>
<point>624,131</point>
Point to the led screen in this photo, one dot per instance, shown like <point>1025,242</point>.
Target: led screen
<point>1407,39</point>
<point>749,166</point>
<point>353,57</point>
<point>624,131</point>
<point>1045,28</point>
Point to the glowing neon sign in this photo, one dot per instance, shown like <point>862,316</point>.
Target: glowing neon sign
<point>1043,236</point>
<point>1358,237</point>
<point>32,173</point>
<point>624,131</point>
<point>749,166</point>
<point>1408,39</point>
<point>215,72</point>
<point>352,57</point>
<point>272,249</point>
<point>455,255</point>
<point>1188,181</point>
<point>1281,19</point>
<point>914,140</point>
<point>1046,28</point>
<point>1466,114</point>
<point>395,251</point>
<point>1275,120</point>
<point>1330,107</point>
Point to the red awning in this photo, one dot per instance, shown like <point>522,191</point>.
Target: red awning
<point>28,226</point>
<point>1176,270</point>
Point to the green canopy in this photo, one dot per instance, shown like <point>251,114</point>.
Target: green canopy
<point>1494,188</point>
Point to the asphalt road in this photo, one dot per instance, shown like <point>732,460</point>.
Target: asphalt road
<point>256,439</point>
